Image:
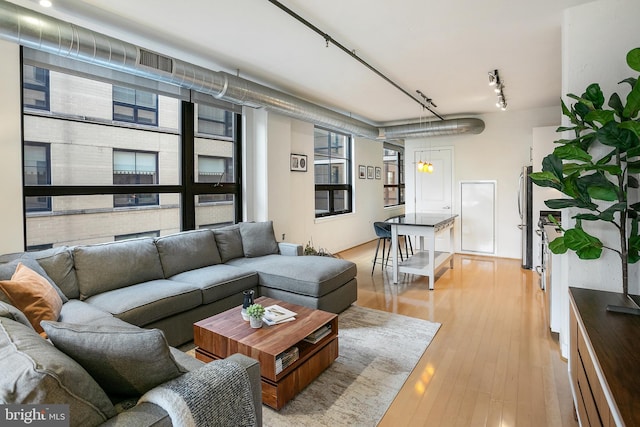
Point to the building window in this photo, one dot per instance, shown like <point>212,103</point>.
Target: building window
<point>215,170</point>
<point>155,233</point>
<point>215,121</point>
<point>35,87</point>
<point>393,177</point>
<point>332,170</point>
<point>135,106</point>
<point>37,171</point>
<point>135,167</point>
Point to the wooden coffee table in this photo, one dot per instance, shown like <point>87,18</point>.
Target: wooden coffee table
<point>220,336</point>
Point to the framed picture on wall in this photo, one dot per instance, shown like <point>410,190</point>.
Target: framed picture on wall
<point>362,172</point>
<point>378,172</point>
<point>299,162</point>
<point>369,172</point>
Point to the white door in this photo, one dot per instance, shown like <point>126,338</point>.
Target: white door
<point>434,191</point>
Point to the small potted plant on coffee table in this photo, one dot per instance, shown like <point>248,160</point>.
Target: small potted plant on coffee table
<point>255,313</point>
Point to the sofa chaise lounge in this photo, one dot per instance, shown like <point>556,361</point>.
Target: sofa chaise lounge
<point>166,284</point>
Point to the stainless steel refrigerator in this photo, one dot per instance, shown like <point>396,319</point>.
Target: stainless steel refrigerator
<point>525,209</point>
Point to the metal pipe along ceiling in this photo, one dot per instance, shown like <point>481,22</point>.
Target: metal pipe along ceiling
<point>35,30</point>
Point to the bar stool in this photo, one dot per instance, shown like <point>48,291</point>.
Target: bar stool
<point>383,231</point>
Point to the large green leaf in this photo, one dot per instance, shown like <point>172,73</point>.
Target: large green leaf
<point>633,59</point>
<point>633,167</point>
<point>571,152</point>
<point>632,182</point>
<point>633,103</point>
<point>598,187</point>
<point>594,95</point>
<point>582,109</point>
<point>584,245</point>
<point>569,203</point>
<point>546,179</point>
<point>552,164</point>
<point>600,116</point>
<point>633,126</point>
<point>557,245</point>
<point>611,135</point>
<point>616,104</point>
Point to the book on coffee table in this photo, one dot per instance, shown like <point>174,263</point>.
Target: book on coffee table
<point>275,314</point>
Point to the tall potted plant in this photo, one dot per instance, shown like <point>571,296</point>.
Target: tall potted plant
<point>595,168</point>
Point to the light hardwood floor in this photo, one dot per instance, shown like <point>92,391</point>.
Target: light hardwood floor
<point>492,363</point>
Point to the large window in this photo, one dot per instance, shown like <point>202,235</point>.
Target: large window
<point>135,167</point>
<point>37,171</point>
<point>90,178</point>
<point>135,106</point>
<point>35,87</point>
<point>393,177</point>
<point>332,169</point>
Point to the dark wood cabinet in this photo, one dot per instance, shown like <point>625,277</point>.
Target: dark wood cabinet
<point>604,359</point>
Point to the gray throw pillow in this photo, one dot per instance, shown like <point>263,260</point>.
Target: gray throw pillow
<point>229,243</point>
<point>7,270</point>
<point>35,372</point>
<point>258,239</point>
<point>124,360</point>
<point>11,312</point>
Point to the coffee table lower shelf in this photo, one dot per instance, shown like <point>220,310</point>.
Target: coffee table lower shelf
<point>277,393</point>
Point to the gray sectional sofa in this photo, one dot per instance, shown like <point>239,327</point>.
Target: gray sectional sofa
<point>163,284</point>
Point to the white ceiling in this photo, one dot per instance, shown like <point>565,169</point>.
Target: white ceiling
<point>443,48</point>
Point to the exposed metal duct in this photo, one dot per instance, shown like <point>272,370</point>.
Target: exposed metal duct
<point>38,31</point>
<point>444,127</point>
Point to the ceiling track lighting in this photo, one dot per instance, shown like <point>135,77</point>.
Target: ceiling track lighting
<point>498,87</point>
<point>330,40</point>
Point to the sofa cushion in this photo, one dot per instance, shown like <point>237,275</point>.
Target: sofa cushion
<point>107,266</point>
<point>33,295</point>
<point>306,275</point>
<point>9,268</point>
<point>58,263</point>
<point>219,281</point>
<point>35,372</point>
<point>187,250</point>
<point>76,311</point>
<point>229,242</point>
<point>148,302</point>
<point>10,312</point>
<point>124,360</point>
<point>258,239</point>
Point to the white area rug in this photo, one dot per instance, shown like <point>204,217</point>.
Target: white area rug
<point>378,351</point>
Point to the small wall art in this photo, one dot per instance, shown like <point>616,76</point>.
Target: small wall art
<point>362,172</point>
<point>369,172</point>
<point>299,162</point>
<point>378,172</point>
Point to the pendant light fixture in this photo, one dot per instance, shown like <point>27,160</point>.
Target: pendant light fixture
<point>424,166</point>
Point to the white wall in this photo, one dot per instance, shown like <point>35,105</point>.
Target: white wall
<point>11,228</point>
<point>596,38</point>
<point>497,154</point>
<point>288,197</point>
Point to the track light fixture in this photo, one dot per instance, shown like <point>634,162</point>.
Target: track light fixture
<point>498,87</point>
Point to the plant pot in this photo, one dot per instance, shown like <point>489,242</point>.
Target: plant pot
<point>255,322</point>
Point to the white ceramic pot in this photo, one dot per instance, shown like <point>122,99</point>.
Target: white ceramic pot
<point>255,322</point>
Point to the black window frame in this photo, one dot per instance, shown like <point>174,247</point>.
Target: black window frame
<point>46,201</point>
<point>334,190</point>
<point>137,198</point>
<point>400,185</point>
<point>187,189</point>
